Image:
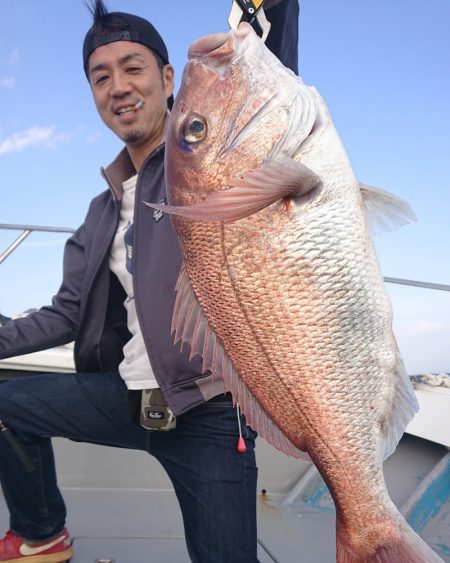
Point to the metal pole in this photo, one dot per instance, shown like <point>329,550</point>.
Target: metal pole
<point>36,228</point>
<point>26,230</point>
<point>14,245</point>
<point>428,285</point>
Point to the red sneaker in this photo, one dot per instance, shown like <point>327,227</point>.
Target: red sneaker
<point>14,549</point>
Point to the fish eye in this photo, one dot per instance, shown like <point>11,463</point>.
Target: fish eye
<point>194,128</point>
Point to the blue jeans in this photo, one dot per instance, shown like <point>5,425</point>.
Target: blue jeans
<point>215,485</point>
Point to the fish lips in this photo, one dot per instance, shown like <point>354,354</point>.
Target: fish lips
<point>219,49</point>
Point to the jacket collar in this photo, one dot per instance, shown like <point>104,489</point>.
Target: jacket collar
<point>121,168</point>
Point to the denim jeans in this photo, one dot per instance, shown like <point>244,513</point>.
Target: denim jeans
<point>215,485</point>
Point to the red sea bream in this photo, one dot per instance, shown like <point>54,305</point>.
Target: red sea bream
<point>281,291</point>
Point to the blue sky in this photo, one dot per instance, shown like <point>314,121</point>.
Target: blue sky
<point>382,66</point>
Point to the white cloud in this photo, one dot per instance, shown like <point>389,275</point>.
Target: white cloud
<point>8,82</point>
<point>14,57</point>
<point>421,327</point>
<point>32,137</point>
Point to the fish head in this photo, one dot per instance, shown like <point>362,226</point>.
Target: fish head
<point>237,107</point>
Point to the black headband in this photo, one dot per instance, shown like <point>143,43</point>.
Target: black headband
<point>137,30</point>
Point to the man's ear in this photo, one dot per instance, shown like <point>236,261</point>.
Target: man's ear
<point>168,79</point>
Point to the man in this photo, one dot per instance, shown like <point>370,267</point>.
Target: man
<point>116,301</point>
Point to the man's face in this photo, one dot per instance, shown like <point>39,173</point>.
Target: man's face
<point>122,73</point>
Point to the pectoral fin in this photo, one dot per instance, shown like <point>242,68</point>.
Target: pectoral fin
<point>274,180</point>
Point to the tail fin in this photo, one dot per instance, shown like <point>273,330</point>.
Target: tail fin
<point>408,547</point>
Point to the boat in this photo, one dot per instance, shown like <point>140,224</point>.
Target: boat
<point>122,507</point>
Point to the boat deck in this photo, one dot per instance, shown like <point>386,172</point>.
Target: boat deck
<point>121,505</point>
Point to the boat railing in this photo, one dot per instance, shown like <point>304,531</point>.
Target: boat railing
<point>26,230</point>
<point>415,283</point>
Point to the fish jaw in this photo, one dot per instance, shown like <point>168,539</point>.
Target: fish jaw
<point>194,170</point>
<point>219,49</point>
<point>240,131</point>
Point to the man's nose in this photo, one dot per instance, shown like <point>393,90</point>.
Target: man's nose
<point>120,85</point>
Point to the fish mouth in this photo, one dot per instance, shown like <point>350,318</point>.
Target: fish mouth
<point>219,45</point>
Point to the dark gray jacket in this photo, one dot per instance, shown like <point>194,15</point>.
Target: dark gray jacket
<point>88,307</point>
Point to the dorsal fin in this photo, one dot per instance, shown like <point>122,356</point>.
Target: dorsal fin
<point>385,211</point>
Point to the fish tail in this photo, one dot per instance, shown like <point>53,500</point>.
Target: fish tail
<point>407,547</point>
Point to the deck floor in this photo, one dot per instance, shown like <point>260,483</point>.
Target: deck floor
<point>128,526</point>
<point>109,519</point>
<point>121,525</point>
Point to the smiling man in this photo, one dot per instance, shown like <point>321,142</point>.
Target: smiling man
<point>131,85</point>
<point>133,388</point>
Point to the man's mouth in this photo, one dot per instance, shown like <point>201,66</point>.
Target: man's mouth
<point>127,109</point>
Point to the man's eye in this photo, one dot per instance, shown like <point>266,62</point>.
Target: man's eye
<point>134,69</point>
<point>99,80</point>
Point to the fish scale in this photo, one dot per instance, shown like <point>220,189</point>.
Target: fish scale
<point>265,336</point>
<point>281,291</point>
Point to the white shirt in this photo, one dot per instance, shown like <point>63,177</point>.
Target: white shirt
<point>135,368</point>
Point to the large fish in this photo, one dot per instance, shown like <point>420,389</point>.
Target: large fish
<point>281,291</point>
